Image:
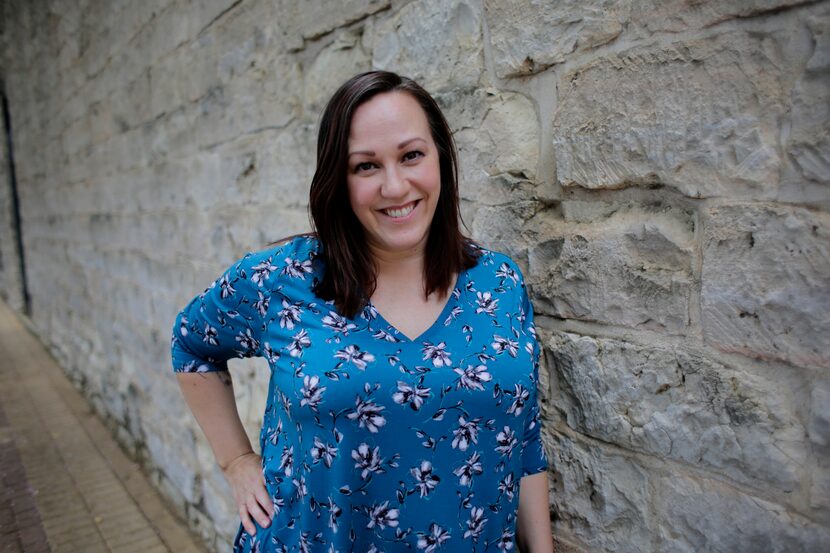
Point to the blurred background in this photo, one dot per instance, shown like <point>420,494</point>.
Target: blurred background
<point>660,169</point>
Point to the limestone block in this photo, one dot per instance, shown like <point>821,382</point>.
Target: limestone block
<point>601,498</point>
<point>265,95</point>
<point>819,432</point>
<point>705,515</point>
<point>632,269</point>
<point>286,167</point>
<point>438,43</point>
<point>701,116</point>
<point>818,428</point>
<point>531,35</point>
<point>679,405</point>
<point>682,15</point>
<point>507,141</point>
<point>333,66</point>
<point>164,32</point>
<point>497,136</point>
<point>766,283</point>
<point>312,19</point>
<point>809,139</point>
<point>500,227</point>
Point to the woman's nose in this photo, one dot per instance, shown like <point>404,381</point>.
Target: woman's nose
<point>394,185</point>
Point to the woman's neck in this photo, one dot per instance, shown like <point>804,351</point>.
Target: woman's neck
<point>399,270</point>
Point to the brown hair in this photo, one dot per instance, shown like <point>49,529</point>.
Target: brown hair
<point>350,276</point>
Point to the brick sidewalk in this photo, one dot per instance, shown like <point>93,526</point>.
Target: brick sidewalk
<point>66,486</point>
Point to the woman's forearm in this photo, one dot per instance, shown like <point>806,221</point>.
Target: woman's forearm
<point>211,399</point>
<point>533,532</point>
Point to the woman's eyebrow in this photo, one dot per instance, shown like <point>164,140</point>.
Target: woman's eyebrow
<point>401,146</point>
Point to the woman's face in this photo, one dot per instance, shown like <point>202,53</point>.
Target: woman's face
<point>394,176</point>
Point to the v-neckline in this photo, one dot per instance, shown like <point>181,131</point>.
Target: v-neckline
<point>442,316</point>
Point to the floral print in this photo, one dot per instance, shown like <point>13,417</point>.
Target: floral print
<point>371,440</point>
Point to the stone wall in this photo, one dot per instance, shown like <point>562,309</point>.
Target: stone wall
<point>659,168</point>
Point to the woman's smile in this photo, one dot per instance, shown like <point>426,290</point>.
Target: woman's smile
<point>400,213</point>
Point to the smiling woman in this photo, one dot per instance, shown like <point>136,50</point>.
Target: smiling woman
<point>402,409</point>
<point>393,190</point>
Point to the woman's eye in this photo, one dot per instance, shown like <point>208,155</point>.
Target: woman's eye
<point>409,155</point>
<point>362,166</point>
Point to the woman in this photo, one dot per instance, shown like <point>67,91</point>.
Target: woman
<point>402,411</point>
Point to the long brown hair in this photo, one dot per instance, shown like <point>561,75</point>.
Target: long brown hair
<point>350,277</point>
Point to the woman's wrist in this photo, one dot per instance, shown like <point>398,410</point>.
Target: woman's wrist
<point>226,465</point>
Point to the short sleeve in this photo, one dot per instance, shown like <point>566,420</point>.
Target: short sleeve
<point>533,451</point>
<point>226,320</point>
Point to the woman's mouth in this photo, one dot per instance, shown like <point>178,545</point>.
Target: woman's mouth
<point>400,212</point>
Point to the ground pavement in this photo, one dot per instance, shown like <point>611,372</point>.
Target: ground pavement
<point>66,486</point>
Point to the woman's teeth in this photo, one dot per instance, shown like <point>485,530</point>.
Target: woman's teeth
<point>402,212</point>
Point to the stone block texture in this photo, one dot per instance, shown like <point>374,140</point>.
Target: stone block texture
<point>660,169</point>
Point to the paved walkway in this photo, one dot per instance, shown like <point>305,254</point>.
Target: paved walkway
<point>66,486</point>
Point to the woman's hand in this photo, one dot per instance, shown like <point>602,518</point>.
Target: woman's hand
<point>244,474</point>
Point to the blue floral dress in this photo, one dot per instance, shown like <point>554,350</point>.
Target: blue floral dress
<point>372,441</point>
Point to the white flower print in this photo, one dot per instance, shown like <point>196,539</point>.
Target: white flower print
<point>475,524</point>
<point>226,289</point>
<point>300,484</point>
<point>305,547</point>
<point>430,542</point>
<point>182,327</point>
<point>295,268</point>
<point>470,468</point>
<point>369,312</point>
<point>262,272</point>
<point>368,414</point>
<point>507,486</point>
<point>381,515</point>
<point>466,432</point>
<point>456,311</point>
<point>287,460</point>
<point>520,397</point>
<point>505,542</point>
<point>290,314</point>
<point>472,377</point>
<point>334,513</point>
<point>531,328</point>
<point>278,504</point>
<point>505,271</point>
<point>505,344</point>
<point>414,396</point>
<point>312,392</point>
<point>271,355</point>
<point>273,434</point>
<point>367,460</point>
<point>383,335</point>
<point>323,451</point>
<point>298,342</point>
<point>338,324</point>
<point>486,303</point>
<point>507,441</point>
<point>248,342</point>
<point>425,480</point>
<point>436,353</point>
<point>262,303</point>
<point>352,354</point>
<point>210,335</point>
